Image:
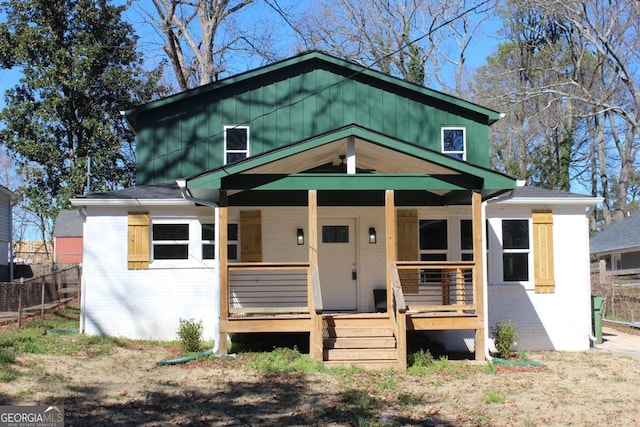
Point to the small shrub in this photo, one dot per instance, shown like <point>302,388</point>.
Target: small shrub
<point>505,336</point>
<point>421,359</point>
<point>190,335</point>
<point>492,396</point>
<point>522,356</point>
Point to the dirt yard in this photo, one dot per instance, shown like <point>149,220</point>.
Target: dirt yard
<point>124,385</point>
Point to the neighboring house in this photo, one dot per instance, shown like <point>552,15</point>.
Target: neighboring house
<point>316,196</point>
<point>619,244</point>
<point>7,200</point>
<point>67,237</point>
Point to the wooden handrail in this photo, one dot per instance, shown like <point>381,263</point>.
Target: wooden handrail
<point>396,287</point>
<point>408,265</point>
<point>315,287</point>
<point>399,316</point>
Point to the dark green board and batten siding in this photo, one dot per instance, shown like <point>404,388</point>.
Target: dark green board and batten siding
<point>185,137</point>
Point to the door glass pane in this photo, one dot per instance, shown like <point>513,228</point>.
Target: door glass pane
<point>335,234</point>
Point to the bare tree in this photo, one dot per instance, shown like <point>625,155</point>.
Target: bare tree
<point>609,32</point>
<point>421,41</point>
<point>198,35</point>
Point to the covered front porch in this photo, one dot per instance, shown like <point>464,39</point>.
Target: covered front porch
<point>258,297</point>
<point>282,289</point>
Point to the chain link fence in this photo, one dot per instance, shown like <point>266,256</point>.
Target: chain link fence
<point>28,297</point>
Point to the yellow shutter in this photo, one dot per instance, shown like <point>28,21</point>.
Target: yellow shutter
<point>250,236</point>
<point>407,237</point>
<point>138,241</point>
<point>543,252</point>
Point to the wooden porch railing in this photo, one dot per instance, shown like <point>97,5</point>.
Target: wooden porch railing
<point>270,288</point>
<point>315,308</point>
<point>275,289</point>
<point>399,313</point>
<point>445,286</point>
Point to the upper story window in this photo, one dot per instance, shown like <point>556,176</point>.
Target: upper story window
<point>454,142</point>
<point>236,144</point>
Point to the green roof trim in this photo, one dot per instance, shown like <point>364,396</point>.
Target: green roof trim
<point>351,71</point>
<point>239,176</point>
<point>308,181</point>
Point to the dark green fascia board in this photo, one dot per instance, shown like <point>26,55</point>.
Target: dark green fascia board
<point>313,181</point>
<point>213,178</point>
<point>352,70</point>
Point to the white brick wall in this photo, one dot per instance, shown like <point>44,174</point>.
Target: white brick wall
<point>142,304</point>
<point>556,321</point>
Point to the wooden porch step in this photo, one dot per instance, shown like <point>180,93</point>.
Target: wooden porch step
<point>360,342</point>
<point>364,364</point>
<point>351,332</point>
<point>364,340</point>
<point>360,354</point>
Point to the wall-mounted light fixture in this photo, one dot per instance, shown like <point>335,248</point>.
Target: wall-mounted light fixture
<point>372,235</point>
<point>300,236</point>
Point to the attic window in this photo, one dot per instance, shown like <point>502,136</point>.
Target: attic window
<point>236,144</point>
<point>454,142</point>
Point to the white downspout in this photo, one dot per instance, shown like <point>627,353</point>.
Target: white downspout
<point>216,291</point>
<point>485,281</point>
<point>83,285</point>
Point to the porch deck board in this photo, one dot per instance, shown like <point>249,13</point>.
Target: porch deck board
<point>428,321</point>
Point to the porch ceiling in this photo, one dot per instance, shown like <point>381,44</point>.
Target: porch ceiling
<point>369,156</point>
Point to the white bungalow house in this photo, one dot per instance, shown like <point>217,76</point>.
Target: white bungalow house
<point>316,196</point>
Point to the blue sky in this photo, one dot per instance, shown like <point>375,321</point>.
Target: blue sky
<point>484,43</point>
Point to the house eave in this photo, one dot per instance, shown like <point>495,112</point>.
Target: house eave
<point>546,201</point>
<point>83,202</point>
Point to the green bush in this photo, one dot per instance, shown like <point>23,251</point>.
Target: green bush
<point>190,335</point>
<point>505,336</point>
<point>421,359</point>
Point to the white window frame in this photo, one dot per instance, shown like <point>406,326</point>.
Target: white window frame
<point>454,154</point>
<point>497,272</point>
<point>446,251</point>
<point>465,251</point>
<point>180,242</point>
<point>246,152</point>
<point>195,255</point>
<point>230,242</point>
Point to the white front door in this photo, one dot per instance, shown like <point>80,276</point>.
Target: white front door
<point>337,264</point>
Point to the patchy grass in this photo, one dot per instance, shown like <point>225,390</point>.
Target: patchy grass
<point>118,381</point>
<point>55,334</point>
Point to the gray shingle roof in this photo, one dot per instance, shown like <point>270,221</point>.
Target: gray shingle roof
<point>68,224</point>
<point>541,192</point>
<point>621,235</point>
<point>166,190</point>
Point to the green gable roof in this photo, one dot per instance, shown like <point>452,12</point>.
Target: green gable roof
<point>351,70</point>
